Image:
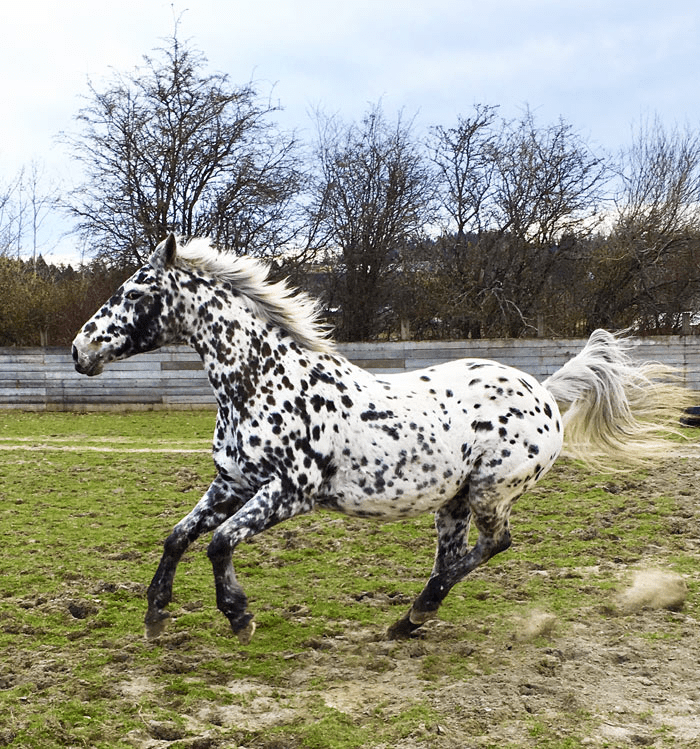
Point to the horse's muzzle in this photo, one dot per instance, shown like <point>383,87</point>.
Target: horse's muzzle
<point>85,364</point>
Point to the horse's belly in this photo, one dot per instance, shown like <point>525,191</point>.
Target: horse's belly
<point>392,497</point>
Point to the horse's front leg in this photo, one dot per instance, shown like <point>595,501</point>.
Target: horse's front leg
<point>273,503</point>
<point>220,501</point>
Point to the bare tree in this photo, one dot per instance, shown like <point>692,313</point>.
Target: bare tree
<point>372,198</point>
<point>464,157</point>
<point>647,273</point>
<point>517,178</point>
<point>516,193</point>
<point>10,216</point>
<point>549,182</point>
<point>39,198</point>
<point>173,147</point>
<point>25,203</point>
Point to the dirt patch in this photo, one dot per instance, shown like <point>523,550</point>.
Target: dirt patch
<point>621,668</point>
<point>608,682</point>
<point>622,673</point>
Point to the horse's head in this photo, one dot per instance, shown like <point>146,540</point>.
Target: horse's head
<point>139,317</point>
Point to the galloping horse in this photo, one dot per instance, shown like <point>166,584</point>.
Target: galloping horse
<point>299,426</point>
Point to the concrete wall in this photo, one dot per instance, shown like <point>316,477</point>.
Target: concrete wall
<point>44,379</point>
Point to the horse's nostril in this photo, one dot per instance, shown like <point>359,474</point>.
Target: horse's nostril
<point>74,352</point>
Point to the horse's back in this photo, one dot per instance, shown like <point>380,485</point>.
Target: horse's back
<point>512,418</point>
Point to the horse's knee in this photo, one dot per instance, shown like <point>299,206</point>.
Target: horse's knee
<point>219,547</point>
<point>175,544</point>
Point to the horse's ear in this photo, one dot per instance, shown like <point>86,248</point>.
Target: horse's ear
<point>164,254</point>
<point>170,249</point>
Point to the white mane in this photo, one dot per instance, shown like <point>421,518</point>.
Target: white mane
<point>294,312</point>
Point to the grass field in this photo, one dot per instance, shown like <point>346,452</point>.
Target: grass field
<point>544,647</point>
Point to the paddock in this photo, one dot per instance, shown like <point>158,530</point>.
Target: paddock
<point>540,647</point>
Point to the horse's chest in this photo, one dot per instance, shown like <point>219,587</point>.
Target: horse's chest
<point>228,464</point>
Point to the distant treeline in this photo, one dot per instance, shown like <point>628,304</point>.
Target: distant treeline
<point>486,286</point>
<point>486,227</point>
<point>45,305</point>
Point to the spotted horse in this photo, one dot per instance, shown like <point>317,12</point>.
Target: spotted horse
<point>299,426</point>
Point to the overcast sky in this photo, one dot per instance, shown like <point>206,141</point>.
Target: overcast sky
<point>599,64</point>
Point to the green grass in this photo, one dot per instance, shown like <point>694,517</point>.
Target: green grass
<point>81,537</point>
<point>131,426</point>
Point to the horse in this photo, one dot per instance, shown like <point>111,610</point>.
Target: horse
<point>299,426</point>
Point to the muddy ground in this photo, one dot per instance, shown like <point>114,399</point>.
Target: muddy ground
<point>623,671</point>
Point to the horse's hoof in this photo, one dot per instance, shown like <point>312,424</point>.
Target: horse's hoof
<point>421,617</point>
<point>245,635</point>
<point>243,627</point>
<point>156,624</point>
<point>409,623</point>
<point>401,629</point>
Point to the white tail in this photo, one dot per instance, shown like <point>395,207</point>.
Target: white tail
<point>616,408</point>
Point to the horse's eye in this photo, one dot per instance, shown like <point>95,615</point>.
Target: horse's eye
<point>134,295</point>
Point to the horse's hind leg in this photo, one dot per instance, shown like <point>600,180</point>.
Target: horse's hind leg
<point>454,560</point>
<point>219,503</point>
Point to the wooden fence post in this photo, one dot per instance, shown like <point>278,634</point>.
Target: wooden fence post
<point>685,324</point>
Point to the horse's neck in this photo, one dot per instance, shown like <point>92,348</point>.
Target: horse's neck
<point>233,344</point>
<point>222,330</point>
